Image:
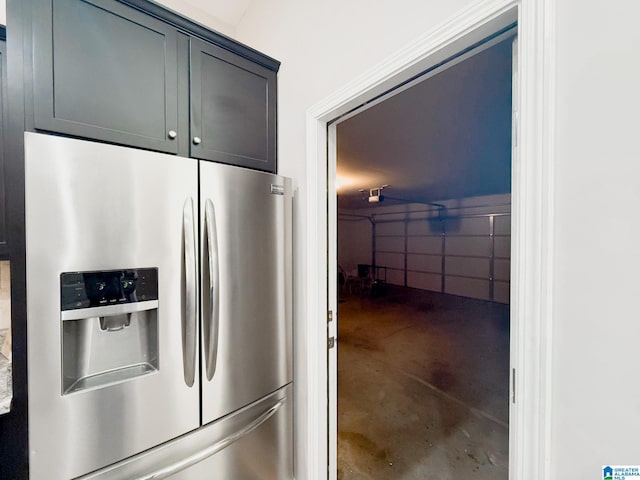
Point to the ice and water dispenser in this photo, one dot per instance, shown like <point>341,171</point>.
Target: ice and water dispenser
<point>109,323</point>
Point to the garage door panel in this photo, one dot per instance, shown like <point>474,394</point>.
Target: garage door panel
<point>424,245</point>
<point>474,246</point>
<point>501,292</point>
<point>390,228</point>
<point>390,244</point>
<point>502,270</point>
<point>467,287</point>
<point>424,263</point>
<point>503,247</point>
<point>468,226</point>
<point>424,281</point>
<point>425,227</point>
<point>469,267</point>
<point>391,260</point>
<point>395,277</point>
<point>502,225</point>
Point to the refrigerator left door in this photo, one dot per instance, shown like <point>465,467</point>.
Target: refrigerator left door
<point>116,372</point>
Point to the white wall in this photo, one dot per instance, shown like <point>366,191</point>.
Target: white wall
<point>596,337</point>
<point>3,12</point>
<point>205,18</point>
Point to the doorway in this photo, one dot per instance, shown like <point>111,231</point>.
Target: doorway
<point>424,206</point>
<point>532,243</point>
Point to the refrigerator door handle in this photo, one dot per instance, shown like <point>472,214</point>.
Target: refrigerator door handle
<point>190,320</point>
<point>213,316</point>
<point>201,455</point>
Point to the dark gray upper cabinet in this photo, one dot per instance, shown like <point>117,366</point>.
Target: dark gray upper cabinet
<point>233,108</point>
<point>3,109</point>
<point>133,73</point>
<point>105,71</point>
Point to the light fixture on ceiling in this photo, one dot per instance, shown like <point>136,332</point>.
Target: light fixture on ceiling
<point>375,194</point>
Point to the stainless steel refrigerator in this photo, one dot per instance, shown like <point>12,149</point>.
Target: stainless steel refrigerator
<point>159,315</point>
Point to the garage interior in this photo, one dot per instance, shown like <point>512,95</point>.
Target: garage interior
<point>424,234</point>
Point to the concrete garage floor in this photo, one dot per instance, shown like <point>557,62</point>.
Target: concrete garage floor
<point>422,387</point>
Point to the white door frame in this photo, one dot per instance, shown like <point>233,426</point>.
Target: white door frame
<point>532,226</point>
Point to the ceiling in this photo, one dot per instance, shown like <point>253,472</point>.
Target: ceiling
<point>223,16</point>
<point>228,11</point>
<point>447,137</point>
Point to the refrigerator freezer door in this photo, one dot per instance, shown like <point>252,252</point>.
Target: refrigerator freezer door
<point>254,443</point>
<point>95,207</point>
<point>260,444</point>
<point>246,285</point>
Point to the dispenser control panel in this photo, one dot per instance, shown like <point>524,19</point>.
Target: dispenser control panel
<point>110,287</point>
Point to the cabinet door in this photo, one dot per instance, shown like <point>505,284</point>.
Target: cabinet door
<point>233,109</point>
<point>3,109</point>
<point>105,71</point>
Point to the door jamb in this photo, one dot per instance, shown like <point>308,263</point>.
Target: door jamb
<point>532,228</point>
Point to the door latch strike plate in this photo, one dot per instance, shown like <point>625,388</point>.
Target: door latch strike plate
<point>331,342</point>
<point>330,316</point>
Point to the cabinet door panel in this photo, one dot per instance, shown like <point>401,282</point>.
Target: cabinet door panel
<point>3,109</point>
<point>233,108</point>
<point>110,73</point>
